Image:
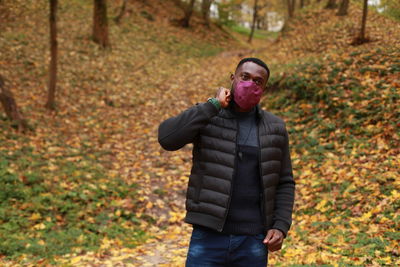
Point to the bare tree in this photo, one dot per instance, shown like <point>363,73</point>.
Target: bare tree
<point>290,8</point>
<point>291,5</point>
<point>255,9</point>
<point>100,23</point>
<point>188,13</point>
<point>361,38</point>
<point>51,104</point>
<point>121,13</point>
<point>11,108</point>
<point>331,4</point>
<point>344,6</point>
<point>205,10</point>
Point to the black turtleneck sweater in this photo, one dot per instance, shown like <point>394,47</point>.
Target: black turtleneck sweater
<point>244,215</point>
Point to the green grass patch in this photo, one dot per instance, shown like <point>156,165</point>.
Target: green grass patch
<point>54,206</point>
<point>258,33</point>
<point>185,49</point>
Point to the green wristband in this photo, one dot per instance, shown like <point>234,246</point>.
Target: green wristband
<point>215,102</point>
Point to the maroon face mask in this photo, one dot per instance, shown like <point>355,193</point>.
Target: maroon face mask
<point>247,94</point>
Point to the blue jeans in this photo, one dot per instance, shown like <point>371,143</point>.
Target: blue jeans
<point>209,248</point>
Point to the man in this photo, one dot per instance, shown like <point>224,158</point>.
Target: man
<point>241,190</point>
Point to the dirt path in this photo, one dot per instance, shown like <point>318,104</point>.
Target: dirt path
<point>162,175</point>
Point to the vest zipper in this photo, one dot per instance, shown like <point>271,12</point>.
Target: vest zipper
<point>233,177</point>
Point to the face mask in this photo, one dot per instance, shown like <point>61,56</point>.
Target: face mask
<point>247,94</point>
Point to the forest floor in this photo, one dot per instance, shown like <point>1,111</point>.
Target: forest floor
<point>99,152</point>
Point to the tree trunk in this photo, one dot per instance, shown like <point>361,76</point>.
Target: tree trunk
<point>253,25</point>
<point>188,14</point>
<point>205,11</point>
<point>361,38</point>
<point>290,5</point>
<point>254,20</point>
<point>301,3</point>
<point>100,23</point>
<point>11,108</point>
<point>331,4</point>
<point>364,21</point>
<point>258,23</point>
<point>121,12</point>
<point>51,104</point>
<point>344,6</point>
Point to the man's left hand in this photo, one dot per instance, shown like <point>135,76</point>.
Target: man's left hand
<point>274,240</point>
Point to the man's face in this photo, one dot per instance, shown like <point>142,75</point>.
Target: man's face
<point>250,71</point>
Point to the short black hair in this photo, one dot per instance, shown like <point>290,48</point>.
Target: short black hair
<point>254,60</point>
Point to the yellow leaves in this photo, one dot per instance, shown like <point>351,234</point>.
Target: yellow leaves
<point>81,238</point>
<point>75,260</point>
<point>305,106</point>
<point>176,216</point>
<point>39,226</point>
<point>293,252</point>
<point>318,218</point>
<point>64,185</point>
<point>149,205</point>
<point>35,216</point>
<point>395,194</point>
<point>322,206</point>
<point>349,190</point>
<point>306,173</point>
<point>52,167</point>
<point>311,258</point>
<point>103,186</point>
<point>365,217</point>
<point>105,243</point>
<point>77,173</point>
<point>373,229</point>
<point>382,144</point>
<point>336,220</point>
<point>389,175</point>
<point>386,260</point>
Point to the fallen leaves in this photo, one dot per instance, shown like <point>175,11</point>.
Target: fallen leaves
<point>347,203</point>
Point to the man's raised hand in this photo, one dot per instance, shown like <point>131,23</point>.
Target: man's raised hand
<point>224,96</point>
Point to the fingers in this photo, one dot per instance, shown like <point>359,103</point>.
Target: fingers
<point>268,237</point>
<point>224,96</point>
<point>227,95</point>
<point>222,90</point>
<point>273,240</point>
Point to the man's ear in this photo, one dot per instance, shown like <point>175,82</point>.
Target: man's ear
<point>232,77</point>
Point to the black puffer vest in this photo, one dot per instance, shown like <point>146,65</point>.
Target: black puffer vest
<point>213,134</point>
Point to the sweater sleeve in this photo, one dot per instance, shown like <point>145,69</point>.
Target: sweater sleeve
<point>285,193</point>
<point>176,132</point>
